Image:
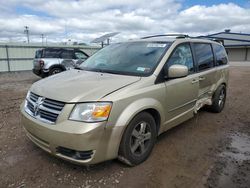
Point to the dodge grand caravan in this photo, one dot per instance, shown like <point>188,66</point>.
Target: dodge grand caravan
<point>125,95</point>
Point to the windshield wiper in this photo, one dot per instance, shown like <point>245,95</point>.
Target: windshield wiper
<point>101,71</point>
<point>106,71</point>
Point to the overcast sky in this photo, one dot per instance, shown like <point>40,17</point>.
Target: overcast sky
<point>84,20</point>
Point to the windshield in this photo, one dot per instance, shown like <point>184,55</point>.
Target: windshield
<point>130,58</point>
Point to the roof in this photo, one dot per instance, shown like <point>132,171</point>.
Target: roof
<point>57,48</point>
<point>174,37</point>
<point>232,39</point>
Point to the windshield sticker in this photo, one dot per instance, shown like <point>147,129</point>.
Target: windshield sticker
<point>156,45</point>
<point>143,69</point>
<point>140,69</point>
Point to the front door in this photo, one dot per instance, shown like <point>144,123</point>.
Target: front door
<point>181,93</point>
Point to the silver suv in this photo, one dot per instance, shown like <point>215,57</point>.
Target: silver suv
<point>124,96</point>
<point>49,61</point>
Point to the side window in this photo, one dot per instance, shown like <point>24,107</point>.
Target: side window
<point>80,55</point>
<point>66,54</point>
<point>220,55</point>
<point>51,53</point>
<point>182,55</point>
<point>204,56</point>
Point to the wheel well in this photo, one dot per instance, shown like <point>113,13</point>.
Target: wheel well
<point>57,66</point>
<point>156,115</point>
<point>218,87</point>
<point>224,84</point>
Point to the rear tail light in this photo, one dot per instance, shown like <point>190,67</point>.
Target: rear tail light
<point>41,63</point>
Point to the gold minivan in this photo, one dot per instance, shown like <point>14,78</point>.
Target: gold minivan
<point>125,95</point>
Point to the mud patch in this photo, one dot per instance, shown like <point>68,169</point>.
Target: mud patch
<point>232,168</point>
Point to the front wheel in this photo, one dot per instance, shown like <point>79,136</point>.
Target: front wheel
<point>138,139</point>
<point>219,99</point>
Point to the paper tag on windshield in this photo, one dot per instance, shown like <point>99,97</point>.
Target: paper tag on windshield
<point>143,69</point>
<point>140,69</point>
<point>156,45</point>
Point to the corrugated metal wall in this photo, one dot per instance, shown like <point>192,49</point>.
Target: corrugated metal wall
<point>17,57</point>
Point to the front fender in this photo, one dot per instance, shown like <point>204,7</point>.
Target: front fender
<point>127,115</point>
<point>138,106</point>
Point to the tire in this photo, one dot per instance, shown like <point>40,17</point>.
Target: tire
<point>138,139</point>
<point>219,99</point>
<point>55,70</point>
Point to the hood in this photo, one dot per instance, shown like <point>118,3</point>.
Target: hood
<point>81,86</point>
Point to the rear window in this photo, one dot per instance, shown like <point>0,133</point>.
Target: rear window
<point>51,53</point>
<point>48,53</point>
<point>204,56</point>
<point>220,55</point>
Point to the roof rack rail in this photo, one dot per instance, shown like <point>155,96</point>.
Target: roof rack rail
<point>216,39</point>
<point>167,35</point>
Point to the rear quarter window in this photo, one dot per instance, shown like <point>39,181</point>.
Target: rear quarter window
<point>220,55</point>
<point>204,56</point>
<point>67,54</point>
<point>39,54</point>
<point>51,53</point>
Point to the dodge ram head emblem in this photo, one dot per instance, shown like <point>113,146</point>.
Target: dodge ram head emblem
<point>38,103</point>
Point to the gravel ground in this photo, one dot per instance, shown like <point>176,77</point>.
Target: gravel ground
<point>210,150</point>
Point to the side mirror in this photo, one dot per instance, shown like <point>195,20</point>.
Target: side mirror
<point>177,71</point>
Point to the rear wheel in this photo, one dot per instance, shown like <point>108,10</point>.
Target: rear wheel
<point>219,99</point>
<point>55,70</point>
<point>138,139</point>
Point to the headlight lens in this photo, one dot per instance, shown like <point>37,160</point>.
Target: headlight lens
<point>28,95</point>
<point>91,112</point>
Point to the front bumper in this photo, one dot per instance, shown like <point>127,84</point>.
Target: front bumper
<point>96,142</point>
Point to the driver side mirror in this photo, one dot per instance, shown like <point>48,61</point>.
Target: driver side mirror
<point>177,71</point>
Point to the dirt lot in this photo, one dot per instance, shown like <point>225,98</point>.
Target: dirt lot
<point>210,150</point>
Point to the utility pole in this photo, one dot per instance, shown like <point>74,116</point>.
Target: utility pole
<point>26,31</point>
<point>42,36</point>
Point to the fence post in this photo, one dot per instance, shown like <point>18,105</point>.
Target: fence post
<point>7,55</point>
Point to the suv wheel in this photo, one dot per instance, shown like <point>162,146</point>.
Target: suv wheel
<point>138,139</point>
<point>55,70</point>
<point>219,99</point>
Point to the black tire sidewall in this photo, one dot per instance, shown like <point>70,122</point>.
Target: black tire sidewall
<point>55,68</point>
<point>125,150</point>
<point>216,107</point>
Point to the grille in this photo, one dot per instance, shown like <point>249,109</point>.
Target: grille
<point>46,110</point>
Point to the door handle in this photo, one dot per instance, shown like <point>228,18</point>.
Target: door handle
<point>195,81</point>
<point>202,78</point>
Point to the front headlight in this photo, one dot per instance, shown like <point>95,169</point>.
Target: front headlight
<point>91,112</point>
<point>28,95</point>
